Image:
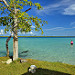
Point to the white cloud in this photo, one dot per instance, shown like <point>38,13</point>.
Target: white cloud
<point>73,27</point>
<point>31,33</point>
<point>12,33</point>
<point>33,26</point>
<point>58,28</point>
<point>19,32</point>
<point>48,9</point>
<point>65,7</point>
<point>69,10</point>
<point>2,31</point>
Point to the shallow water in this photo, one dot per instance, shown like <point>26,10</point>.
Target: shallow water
<point>45,49</point>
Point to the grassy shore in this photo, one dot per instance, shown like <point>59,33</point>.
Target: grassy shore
<point>43,67</point>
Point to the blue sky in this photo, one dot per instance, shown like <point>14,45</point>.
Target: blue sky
<point>60,15</point>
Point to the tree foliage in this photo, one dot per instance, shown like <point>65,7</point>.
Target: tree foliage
<point>24,21</point>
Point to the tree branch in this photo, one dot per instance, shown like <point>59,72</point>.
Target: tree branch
<point>27,9</point>
<point>7,45</point>
<point>5,2</point>
<point>0,0</point>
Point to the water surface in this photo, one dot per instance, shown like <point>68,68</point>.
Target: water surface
<point>45,49</point>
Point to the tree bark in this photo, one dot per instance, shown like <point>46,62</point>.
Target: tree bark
<point>15,47</point>
<point>15,38</point>
<point>7,45</point>
<point>6,4</point>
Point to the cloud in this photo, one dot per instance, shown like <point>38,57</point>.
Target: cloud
<point>73,27</point>
<point>69,10</point>
<point>12,33</point>
<point>72,23</point>
<point>48,9</point>
<point>28,33</point>
<point>19,32</point>
<point>58,28</point>
<point>23,33</point>
<point>1,31</point>
<point>31,33</point>
<point>33,26</point>
<point>64,7</point>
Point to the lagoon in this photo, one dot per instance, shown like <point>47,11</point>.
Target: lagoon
<point>52,49</point>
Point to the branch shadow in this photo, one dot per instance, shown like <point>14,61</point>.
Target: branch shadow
<point>23,53</point>
<point>41,71</point>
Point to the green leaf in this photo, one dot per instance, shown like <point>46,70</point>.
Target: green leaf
<point>25,0</point>
<point>42,32</point>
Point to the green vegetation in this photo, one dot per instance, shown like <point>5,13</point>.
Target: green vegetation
<point>43,68</point>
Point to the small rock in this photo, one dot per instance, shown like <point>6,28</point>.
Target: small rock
<point>9,61</point>
<point>32,69</point>
<point>22,60</point>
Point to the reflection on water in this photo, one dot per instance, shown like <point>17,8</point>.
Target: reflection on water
<point>71,45</point>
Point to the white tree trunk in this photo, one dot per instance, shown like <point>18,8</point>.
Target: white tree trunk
<point>15,37</point>
<point>15,47</point>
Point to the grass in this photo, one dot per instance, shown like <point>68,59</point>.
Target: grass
<point>43,68</point>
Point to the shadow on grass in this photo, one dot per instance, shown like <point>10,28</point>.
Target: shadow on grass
<point>41,71</point>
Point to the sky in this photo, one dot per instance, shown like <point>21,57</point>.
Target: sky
<point>60,15</point>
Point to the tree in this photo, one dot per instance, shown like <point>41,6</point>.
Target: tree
<point>19,21</point>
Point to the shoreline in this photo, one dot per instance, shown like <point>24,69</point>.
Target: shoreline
<point>43,67</point>
<point>38,60</point>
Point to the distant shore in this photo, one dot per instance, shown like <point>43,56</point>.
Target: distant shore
<point>40,36</point>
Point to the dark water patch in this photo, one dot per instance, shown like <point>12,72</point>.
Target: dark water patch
<point>2,53</point>
<point>23,53</point>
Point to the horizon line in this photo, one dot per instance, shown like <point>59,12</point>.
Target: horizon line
<point>40,36</point>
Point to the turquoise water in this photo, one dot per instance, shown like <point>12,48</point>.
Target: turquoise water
<point>45,49</point>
